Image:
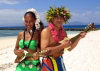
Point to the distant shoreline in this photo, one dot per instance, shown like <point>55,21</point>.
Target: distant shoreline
<point>11,28</point>
<point>68,29</point>
<point>77,29</point>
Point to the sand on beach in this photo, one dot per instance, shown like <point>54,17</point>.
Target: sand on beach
<point>85,57</point>
<point>6,42</point>
<point>7,45</point>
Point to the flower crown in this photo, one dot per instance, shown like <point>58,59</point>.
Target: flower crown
<point>53,12</point>
<point>37,25</point>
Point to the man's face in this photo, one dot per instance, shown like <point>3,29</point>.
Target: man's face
<point>58,21</point>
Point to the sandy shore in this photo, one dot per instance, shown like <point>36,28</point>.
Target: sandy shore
<point>6,42</point>
<point>85,57</point>
<point>7,45</point>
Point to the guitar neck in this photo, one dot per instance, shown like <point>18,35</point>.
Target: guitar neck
<point>89,28</point>
<point>40,54</point>
<point>73,39</point>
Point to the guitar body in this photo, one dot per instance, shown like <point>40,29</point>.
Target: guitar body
<point>17,60</point>
<point>55,54</point>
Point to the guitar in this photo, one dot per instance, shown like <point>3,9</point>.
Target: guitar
<point>40,54</point>
<point>89,28</point>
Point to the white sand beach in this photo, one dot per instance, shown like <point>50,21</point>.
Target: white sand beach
<point>7,56</point>
<point>85,57</point>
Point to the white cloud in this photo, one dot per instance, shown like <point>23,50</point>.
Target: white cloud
<point>42,17</point>
<point>79,16</point>
<point>86,16</point>
<point>98,7</point>
<point>9,1</point>
<point>11,17</point>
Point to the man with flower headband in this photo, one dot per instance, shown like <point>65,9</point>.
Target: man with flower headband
<point>52,35</point>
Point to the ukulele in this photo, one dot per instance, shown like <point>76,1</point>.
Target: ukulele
<point>89,28</point>
<point>26,54</point>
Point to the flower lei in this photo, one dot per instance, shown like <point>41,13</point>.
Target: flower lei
<point>37,25</point>
<point>55,33</point>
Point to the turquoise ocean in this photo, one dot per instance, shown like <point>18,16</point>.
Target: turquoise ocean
<point>9,33</point>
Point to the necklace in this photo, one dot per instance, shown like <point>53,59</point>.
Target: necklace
<point>29,40</point>
<point>57,36</point>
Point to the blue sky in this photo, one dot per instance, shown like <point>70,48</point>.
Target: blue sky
<point>83,11</point>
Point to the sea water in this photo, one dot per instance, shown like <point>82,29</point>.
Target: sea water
<point>7,33</point>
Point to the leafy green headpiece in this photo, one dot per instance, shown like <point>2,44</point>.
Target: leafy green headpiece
<point>53,12</point>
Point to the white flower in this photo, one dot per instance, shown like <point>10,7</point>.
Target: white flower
<point>30,66</point>
<point>23,65</point>
<point>31,10</point>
